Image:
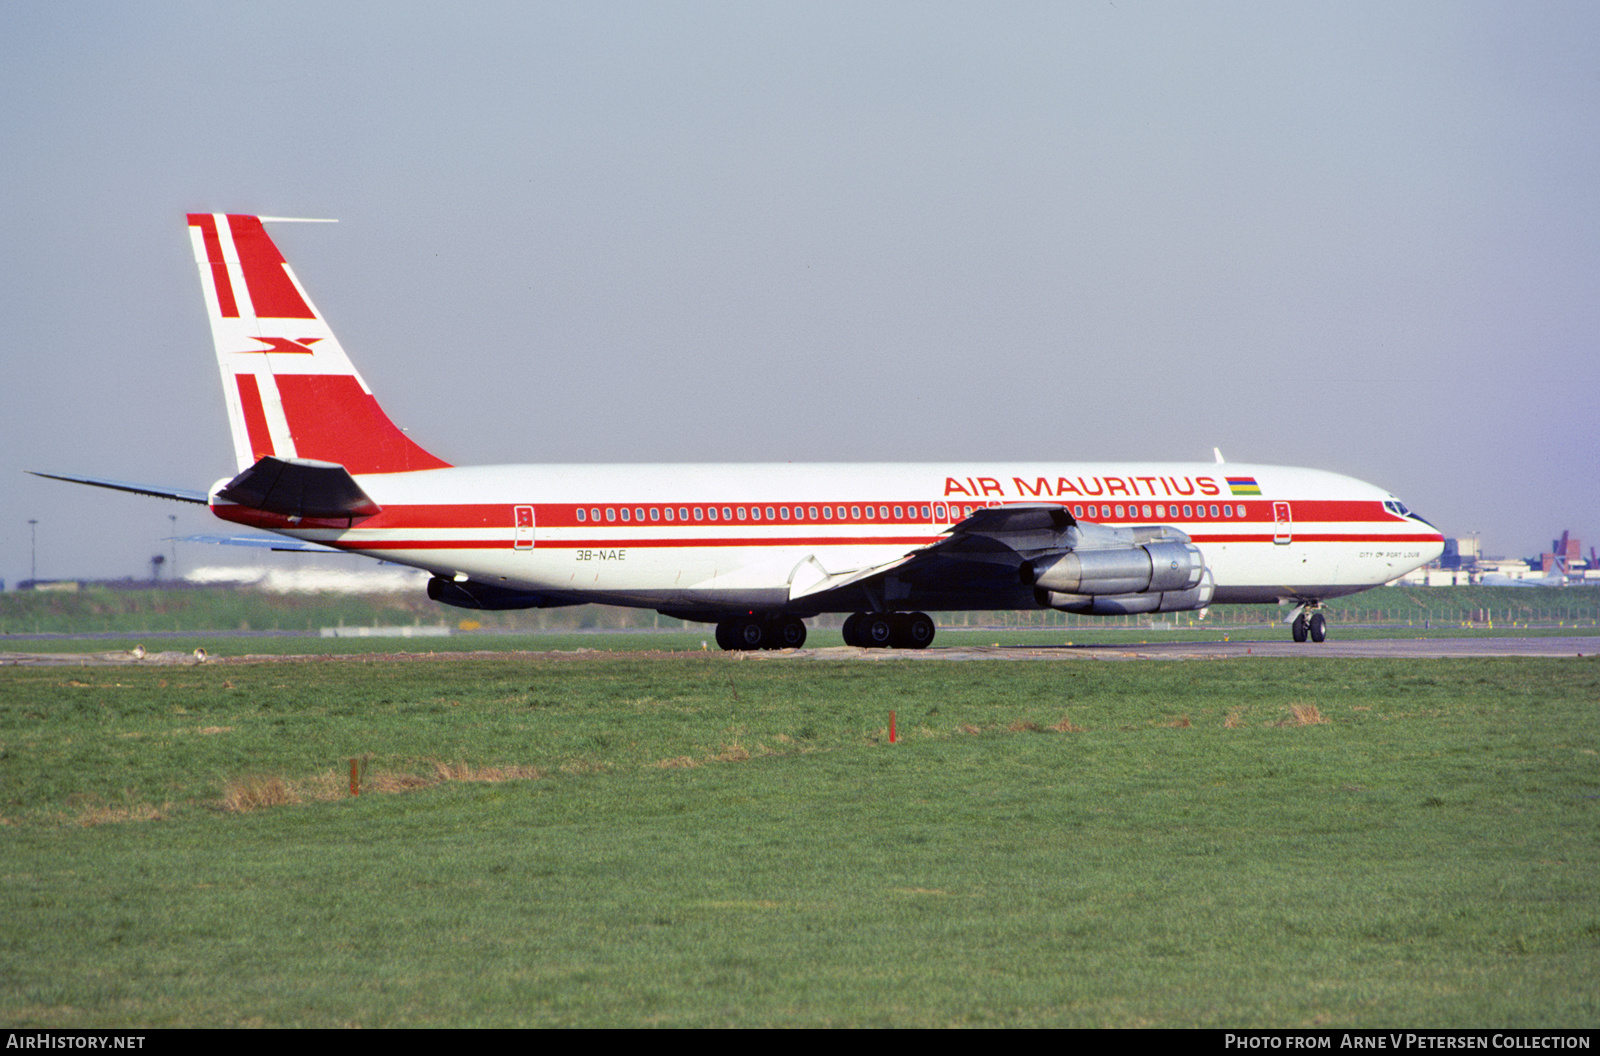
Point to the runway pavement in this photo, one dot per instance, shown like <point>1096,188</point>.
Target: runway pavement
<point>1374,648</point>
<point>1574,647</point>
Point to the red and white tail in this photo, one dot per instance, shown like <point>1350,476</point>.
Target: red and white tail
<point>291,390</point>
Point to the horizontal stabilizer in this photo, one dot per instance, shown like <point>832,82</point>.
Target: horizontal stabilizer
<point>299,487</point>
<point>176,494</point>
<point>264,542</point>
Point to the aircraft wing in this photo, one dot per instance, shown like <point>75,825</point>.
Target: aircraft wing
<point>176,494</point>
<point>998,536</point>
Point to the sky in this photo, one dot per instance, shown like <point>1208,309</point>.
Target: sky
<point>1360,237</point>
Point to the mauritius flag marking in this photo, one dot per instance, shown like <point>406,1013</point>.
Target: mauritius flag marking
<point>1244,486</point>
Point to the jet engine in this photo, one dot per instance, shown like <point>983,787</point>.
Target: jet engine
<point>1167,573</point>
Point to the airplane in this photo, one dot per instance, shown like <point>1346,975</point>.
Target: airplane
<point>755,548</point>
<point>1556,577</point>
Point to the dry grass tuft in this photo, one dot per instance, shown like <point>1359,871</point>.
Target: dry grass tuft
<point>1180,723</point>
<point>484,774</point>
<point>1306,715</point>
<point>106,814</point>
<point>1235,719</point>
<point>328,785</point>
<point>731,753</point>
<point>391,784</point>
<point>1022,726</point>
<point>968,728</point>
<point>1066,725</point>
<point>256,792</point>
<point>681,762</point>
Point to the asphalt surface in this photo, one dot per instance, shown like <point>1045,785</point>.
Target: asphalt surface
<point>1372,648</point>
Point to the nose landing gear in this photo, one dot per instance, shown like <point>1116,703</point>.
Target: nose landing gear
<point>1314,626</point>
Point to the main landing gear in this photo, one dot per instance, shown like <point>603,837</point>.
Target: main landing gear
<point>761,632</point>
<point>867,630</point>
<point>889,630</point>
<point>1314,626</point>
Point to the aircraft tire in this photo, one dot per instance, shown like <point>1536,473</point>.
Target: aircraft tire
<point>742,633</point>
<point>852,630</point>
<point>749,633</point>
<point>788,632</point>
<point>876,631</point>
<point>912,630</point>
<point>1298,628</point>
<point>1317,627</point>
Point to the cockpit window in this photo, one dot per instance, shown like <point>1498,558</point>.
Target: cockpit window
<point>1399,509</point>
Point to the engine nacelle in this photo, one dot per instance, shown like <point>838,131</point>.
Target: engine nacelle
<point>1155,567</point>
<point>1196,597</point>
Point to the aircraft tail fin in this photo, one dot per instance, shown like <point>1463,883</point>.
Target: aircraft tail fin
<point>291,391</point>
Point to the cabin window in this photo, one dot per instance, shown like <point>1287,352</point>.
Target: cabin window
<point>611,514</point>
<point>580,514</point>
<point>655,513</point>
<point>741,513</point>
<point>669,513</point>
<point>699,514</point>
<point>811,511</point>
<point>1213,511</point>
<point>869,513</point>
<point>727,513</point>
<point>855,513</point>
<point>711,513</point>
<point>1227,511</point>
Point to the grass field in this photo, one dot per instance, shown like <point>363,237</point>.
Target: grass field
<point>703,840</point>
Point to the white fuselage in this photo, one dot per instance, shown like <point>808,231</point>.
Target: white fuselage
<point>732,537</point>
